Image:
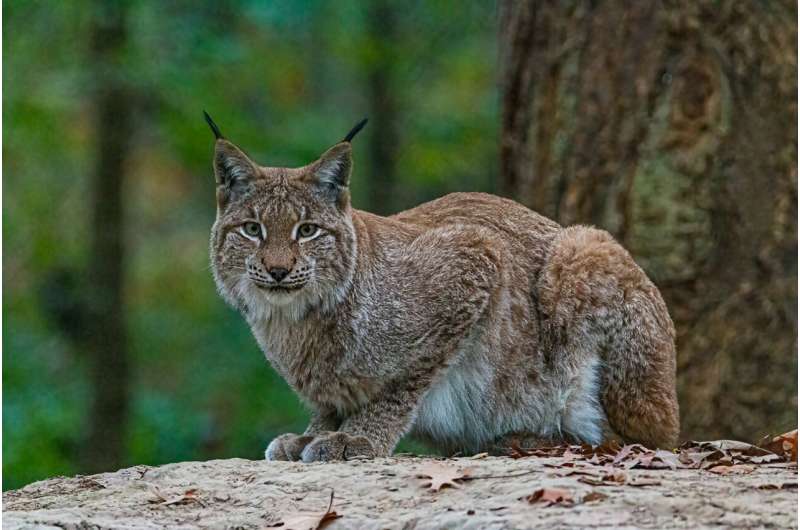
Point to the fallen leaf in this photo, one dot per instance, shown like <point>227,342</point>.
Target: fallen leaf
<point>784,444</point>
<point>594,496</point>
<point>617,478</point>
<point>728,447</point>
<point>695,459</point>
<point>764,459</point>
<point>90,483</point>
<point>656,460</point>
<point>614,478</point>
<point>479,456</point>
<point>516,451</point>
<point>551,497</point>
<point>735,469</point>
<point>595,481</point>
<point>578,471</point>
<point>183,498</point>
<point>308,521</point>
<point>440,475</point>
<point>782,486</point>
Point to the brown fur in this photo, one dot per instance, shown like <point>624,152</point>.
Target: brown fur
<point>465,320</point>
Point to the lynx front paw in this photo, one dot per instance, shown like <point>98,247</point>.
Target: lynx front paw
<point>287,447</point>
<point>337,446</point>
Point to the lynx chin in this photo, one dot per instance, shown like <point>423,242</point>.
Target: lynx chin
<point>469,321</point>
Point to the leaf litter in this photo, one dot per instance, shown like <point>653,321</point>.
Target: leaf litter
<point>709,455</point>
<point>551,497</point>
<point>437,475</point>
<point>608,463</point>
<point>308,520</point>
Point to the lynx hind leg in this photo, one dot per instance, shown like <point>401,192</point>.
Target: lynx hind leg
<point>593,295</point>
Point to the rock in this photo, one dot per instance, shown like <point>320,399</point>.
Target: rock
<point>386,493</point>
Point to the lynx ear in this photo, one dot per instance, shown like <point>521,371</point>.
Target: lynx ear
<point>333,168</point>
<point>233,169</point>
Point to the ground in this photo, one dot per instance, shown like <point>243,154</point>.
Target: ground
<point>388,493</point>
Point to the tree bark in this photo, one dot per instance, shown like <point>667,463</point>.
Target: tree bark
<point>106,341</point>
<point>673,126</point>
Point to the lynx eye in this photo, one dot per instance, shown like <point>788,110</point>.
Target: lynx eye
<point>252,229</point>
<point>307,230</point>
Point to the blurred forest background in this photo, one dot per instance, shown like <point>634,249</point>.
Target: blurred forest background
<point>672,125</point>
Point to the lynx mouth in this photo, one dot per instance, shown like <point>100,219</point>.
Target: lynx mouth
<point>278,288</point>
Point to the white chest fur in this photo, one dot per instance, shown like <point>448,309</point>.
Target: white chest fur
<point>462,411</point>
<point>454,410</point>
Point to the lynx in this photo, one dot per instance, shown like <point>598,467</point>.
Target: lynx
<point>469,321</point>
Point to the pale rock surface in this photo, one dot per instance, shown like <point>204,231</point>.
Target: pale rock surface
<point>385,493</point>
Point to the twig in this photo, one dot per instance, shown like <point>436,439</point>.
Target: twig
<point>476,477</point>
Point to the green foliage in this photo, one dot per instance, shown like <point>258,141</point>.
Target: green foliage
<point>285,81</point>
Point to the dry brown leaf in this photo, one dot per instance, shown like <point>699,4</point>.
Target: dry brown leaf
<point>616,478</point>
<point>551,497</point>
<point>596,481</point>
<point>438,475</point>
<point>696,459</point>
<point>728,447</point>
<point>735,469</point>
<point>658,459</point>
<point>784,444</point>
<point>782,486</point>
<point>578,471</point>
<point>764,459</point>
<point>516,451</point>
<point>308,521</point>
<point>594,496</point>
<point>183,498</point>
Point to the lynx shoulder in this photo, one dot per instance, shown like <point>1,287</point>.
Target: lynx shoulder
<point>468,321</point>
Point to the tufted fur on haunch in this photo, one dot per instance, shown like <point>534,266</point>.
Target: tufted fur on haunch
<point>468,321</point>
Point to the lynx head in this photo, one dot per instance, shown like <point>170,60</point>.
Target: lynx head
<point>283,240</point>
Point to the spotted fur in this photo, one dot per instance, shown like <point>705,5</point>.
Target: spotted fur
<point>466,320</point>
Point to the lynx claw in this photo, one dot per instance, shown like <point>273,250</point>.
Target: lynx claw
<point>331,446</point>
<point>287,447</point>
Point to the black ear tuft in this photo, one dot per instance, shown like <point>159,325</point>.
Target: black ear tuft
<point>355,130</point>
<point>214,128</point>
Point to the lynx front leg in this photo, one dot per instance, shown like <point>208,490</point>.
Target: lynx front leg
<point>371,432</point>
<point>290,446</point>
<point>455,269</point>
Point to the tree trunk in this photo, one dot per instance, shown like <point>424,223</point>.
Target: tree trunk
<point>106,342</point>
<point>383,133</point>
<point>673,126</point>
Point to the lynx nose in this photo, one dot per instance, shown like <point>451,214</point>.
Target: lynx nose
<point>279,273</point>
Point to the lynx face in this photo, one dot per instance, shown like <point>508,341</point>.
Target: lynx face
<point>283,240</point>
